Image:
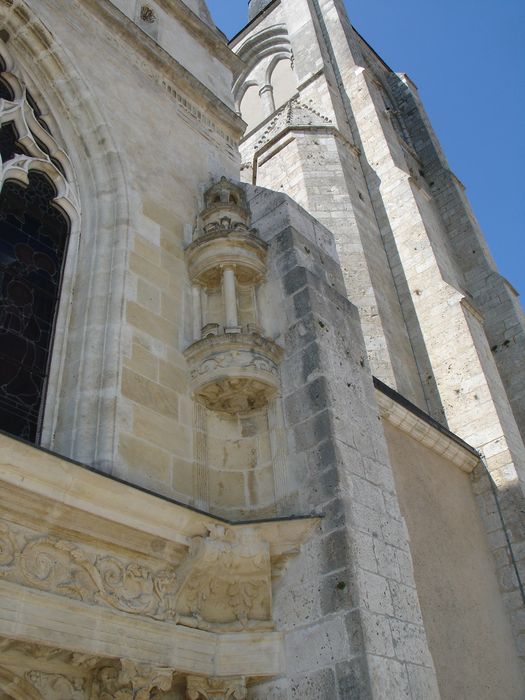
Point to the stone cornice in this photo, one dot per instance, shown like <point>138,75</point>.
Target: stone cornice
<point>422,428</point>
<point>37,617</point>
<point>67,484</point>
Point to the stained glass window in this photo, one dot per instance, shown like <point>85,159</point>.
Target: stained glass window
<point>33,240</point>
<point>8,142</point>
<point>6,93</point>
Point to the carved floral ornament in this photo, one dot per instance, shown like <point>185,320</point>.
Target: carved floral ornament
<point>223,583</point>
<point>234,373</point>
<point>72,676</point>
<point>147,15</point>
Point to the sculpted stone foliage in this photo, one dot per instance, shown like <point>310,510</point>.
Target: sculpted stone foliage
<point>224,582</point>
<point>64,568</point>
<point>129,682</point>
<point>199,688</point>
<point>72,676</point>
<point>54,686</point>
<point>236,372</point>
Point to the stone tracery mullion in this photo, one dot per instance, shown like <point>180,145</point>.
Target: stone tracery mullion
<point>32,135</point>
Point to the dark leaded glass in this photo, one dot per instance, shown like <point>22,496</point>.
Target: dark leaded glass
<point>6,93</point>
<point>33,239</point>
<point>8,142</point>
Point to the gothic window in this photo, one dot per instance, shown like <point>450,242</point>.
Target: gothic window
<point>34,232</point>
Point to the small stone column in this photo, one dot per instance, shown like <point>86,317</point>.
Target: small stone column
<point>230,300</point>
<point>266,95</point>
<point>197,313</point>
<point>202,688</point>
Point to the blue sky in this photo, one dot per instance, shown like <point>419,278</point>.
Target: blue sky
<point>467,58</point>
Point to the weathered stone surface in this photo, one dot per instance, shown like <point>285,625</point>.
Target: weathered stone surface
<point>215,344</point>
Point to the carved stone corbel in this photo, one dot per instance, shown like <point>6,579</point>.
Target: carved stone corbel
<point>225,582</point>
<point>130,682</point>
<point>200,688</point>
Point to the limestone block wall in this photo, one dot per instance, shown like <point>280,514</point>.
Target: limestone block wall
<point>472,644</point>
<point>346,632</point>
<point>185,30</point>
<point>493,295</point>
<point>145,137</point>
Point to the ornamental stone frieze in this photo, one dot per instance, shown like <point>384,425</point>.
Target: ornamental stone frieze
<point>38,672</point>
<point>223,583</point>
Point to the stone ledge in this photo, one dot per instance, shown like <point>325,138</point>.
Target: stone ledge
<point>40,618</point>
<point>401,413</point>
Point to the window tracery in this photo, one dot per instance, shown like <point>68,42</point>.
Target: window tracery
<point>37,207</point>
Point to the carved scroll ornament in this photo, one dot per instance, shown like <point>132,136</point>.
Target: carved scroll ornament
<point>223,584</point>
<point>61,567</point>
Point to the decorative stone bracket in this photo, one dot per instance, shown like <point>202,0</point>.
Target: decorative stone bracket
<point>234,373</point>
<point>199,688</point>
<point>225,583</point>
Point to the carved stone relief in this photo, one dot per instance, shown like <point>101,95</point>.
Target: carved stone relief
<point>53,686</point>
<point>199,688</point>
<point>62,567</point>
<point>234,373</point>
<point>223,583</point>
<point>58,674</point>
<point>130,682</point>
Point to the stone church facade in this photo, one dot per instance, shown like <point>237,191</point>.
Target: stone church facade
<point>262,386</point>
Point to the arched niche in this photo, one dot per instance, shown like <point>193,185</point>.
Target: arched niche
<point>251,107</point>
<point>283,81</point>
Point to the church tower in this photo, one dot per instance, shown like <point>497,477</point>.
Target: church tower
<point>261,384</point>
